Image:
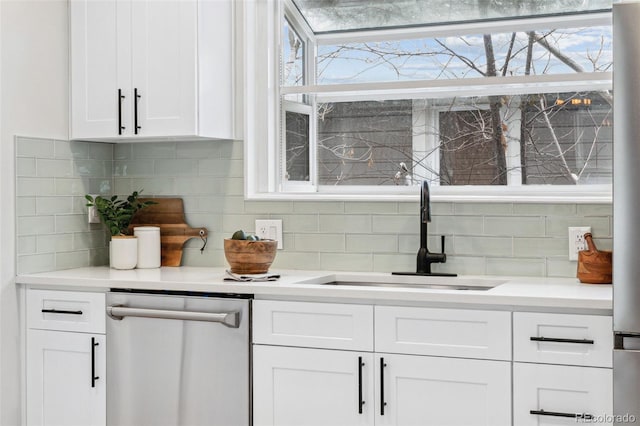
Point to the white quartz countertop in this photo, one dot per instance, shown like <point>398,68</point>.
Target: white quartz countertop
<point>509,292</point>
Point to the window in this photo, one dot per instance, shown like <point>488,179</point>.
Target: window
<point>492,98</point>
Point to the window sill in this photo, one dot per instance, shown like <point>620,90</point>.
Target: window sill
<point>595,194</point>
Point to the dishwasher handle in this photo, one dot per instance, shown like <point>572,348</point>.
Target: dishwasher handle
<point>229,319</point>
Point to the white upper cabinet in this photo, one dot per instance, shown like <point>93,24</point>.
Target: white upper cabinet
<point>151,69</point>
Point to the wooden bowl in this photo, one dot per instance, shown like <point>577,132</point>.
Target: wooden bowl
<point>250,257</point>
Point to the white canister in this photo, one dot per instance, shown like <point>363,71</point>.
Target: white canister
<point>148,246</point>
<point>123,252</point>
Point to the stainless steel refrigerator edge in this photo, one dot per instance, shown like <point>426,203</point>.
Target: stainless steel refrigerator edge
<point>177,360</point>
<point>626,211</point>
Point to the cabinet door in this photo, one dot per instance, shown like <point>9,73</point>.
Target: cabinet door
<point>561,395</point>
<point>60,389</point>
<point>98,61</point>
<point>164,41</point>
<point>438,391</point>
<point>301,387</point>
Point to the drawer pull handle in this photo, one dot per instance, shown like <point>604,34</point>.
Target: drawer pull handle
<point>382,402</point>
<point>360,400</point>
<point>583,416</point>
<point>553,339</point>
<point>93,362</point>
<point>61,311</point>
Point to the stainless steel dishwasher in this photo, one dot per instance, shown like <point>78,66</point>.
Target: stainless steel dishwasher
<point>177,359</point>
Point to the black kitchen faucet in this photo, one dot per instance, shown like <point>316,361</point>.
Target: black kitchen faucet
<point>425,257</point>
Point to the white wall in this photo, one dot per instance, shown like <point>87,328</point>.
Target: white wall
<point>34,99</point>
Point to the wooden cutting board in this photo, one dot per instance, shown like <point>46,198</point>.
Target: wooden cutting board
<point>168,215</point>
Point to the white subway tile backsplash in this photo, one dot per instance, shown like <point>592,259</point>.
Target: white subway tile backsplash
<point>135,168</point>
<point>296,260</point>
<point>32,147</point>
<point>154,150</point>
<point>558,225</point>
<point>25,166</point>
<point>483,238</point>
<point>34,186</point>
<point>50,204</point>
<point>483,246</point>
<point>72,259</point>
<point>98,151</point>
<point>346,261</point>
<point>346,224</point>
<point>400,224</point>
<point>66,149</point>
<point>71,223</point>
<point>26,245</point>
<point>34,263</point>
<point>383,262</point>
<point>54,243</point>
<point>516,267</point>
<point>54,167</point>
<point>54,205</point>
<point>516,226</point>
<point>35,225</point>
<point>370,208</point>
<point>322,243</point>
<point>476,209</point>
<point>372,243</point>
<point>335,207</point>
<point>176,167</point>
<point>25,206</point>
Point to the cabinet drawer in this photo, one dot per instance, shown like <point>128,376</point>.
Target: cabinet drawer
<point>443,332</point>
<point>314,325</point>
<point>66,311</point>
<point>563,339</point>
<point>560,394</point>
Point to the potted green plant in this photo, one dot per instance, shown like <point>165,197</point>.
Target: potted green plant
<point>116,214</point>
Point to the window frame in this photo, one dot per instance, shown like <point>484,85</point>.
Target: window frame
<point>260,22</point>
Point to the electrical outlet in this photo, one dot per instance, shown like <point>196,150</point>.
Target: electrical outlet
<point>270,230</point>
<point>576,240</point>
<point>92,213</point>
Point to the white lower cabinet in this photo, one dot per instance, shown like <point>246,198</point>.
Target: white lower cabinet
<point>66,358</point>
<point>305,387</point>
<point>561,395</point>
<point>66,377</point>
<point>424,390</point>
<point>359,386</point>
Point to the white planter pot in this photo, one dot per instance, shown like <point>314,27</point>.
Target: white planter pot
<point>123,252</point>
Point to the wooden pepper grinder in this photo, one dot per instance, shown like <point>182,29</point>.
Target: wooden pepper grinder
<point>594,266</point>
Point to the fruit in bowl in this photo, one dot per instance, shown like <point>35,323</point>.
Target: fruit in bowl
<point>248,254</point>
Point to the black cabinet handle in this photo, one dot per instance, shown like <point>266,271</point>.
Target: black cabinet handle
<point>135,111</point>
<point>382,402</point>
<point>584,416</point>
<point>61,311</point>
<point>553,339</point>
<point>93,362</point>
<point>120,98</point>
<point>360,400</point>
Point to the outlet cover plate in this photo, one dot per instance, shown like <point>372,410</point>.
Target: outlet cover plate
<point>576,240</point>
<point>270,230</point>
<point>92,213</point>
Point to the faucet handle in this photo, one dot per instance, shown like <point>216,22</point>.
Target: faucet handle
<point>442,244</point>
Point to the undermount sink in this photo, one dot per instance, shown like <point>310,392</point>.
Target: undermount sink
<point>413,285</point>
<point>408,281</point>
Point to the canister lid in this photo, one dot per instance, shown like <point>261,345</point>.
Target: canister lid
<point>146,229</point>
